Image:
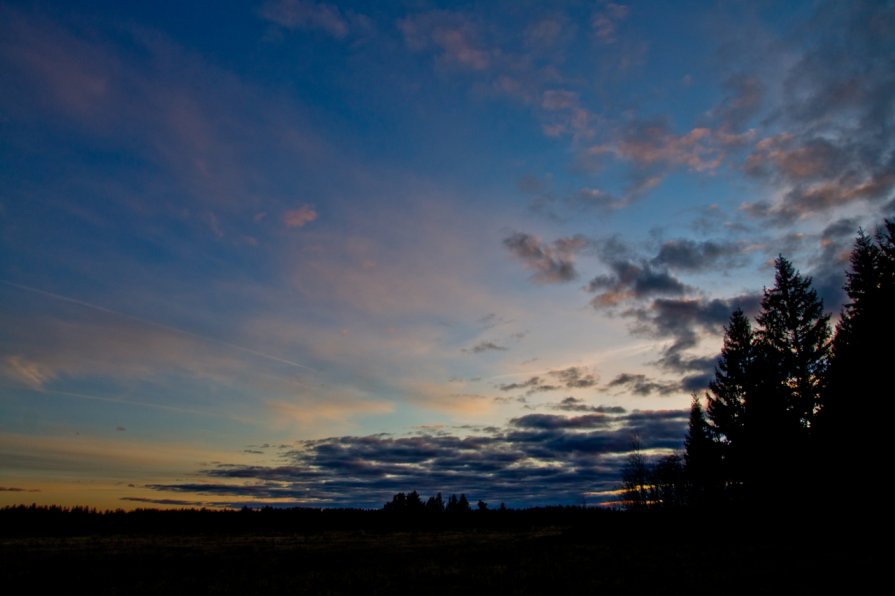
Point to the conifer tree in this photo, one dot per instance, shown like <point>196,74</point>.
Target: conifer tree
<point>700,456</point>
<point>792,346</point>
<point>728,391</point>
<point>727,399</point>
<point>856,412</point>
<point>791,359</point>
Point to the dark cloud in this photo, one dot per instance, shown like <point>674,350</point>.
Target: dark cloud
<point>629,280</point>
<point>573,404</point>
<point>690,255</point>
<point>683,320</point>
<point>535,459</point>
<point>845,228</point>
<point>642,385</point>
<point>697,383</point>
<point>485,346</point>
<point>832,261</point>
<point>552,263</point>
<point>574,377</point>
<point>531,385</point>
<point>15,489</point>
<point>549,421</point>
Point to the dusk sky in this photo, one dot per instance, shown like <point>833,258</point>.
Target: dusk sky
<point>310,253</point>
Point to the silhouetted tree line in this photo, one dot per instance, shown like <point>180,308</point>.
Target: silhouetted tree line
<point>793,416</point>
<point>412,504</point>
<point>34,520</point>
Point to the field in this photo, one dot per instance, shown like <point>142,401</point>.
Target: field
<point>533,560</point>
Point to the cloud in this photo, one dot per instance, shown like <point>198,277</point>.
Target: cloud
<point>485,346</point>
<point>683,320</point>
<point>835,243</point>
<point>574,377</point>
<point>534,459</point>
<point>301,14</point>
<point>690,255</point>
<point>836,146</point>
<point>629,280</point>
<point>552,263</point>
<point>531,385</point>
<point>25,371</point>
<point>454,36</point>
<point>745,94</point>
<point>550,421</point>
<point>573,404</point>
<point>642,385</point>
<point>297,218</point>
<point>606,21</point>
<point>651,142</point>
<point>564,115</point>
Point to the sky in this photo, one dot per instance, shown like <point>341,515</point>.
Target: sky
<point>308,253</point>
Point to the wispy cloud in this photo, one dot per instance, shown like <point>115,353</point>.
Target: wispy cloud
<point>607,19</point>
<point>455,37</point>
<point>303,14</point>
<point>297,218</point>
<point>486,346</point>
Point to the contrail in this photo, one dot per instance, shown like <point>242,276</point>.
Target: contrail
<point>116,400</point>
<point>158,325</point>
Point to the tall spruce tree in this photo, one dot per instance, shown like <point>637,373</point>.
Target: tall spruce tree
<point>793,345</point>
<point>791,358</point>
<point>728,391</point>
<point>854,420</point>
<point>700,457</point>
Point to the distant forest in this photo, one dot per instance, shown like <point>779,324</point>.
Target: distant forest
<point>796,414</point>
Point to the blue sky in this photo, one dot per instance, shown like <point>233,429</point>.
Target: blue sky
<point>309,253</point>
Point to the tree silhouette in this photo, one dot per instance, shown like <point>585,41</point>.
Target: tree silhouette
<point>856,412</point>
<point>791,358</point>
<point>728,394</point>
<point>668,486</point>
<point>793,344</point>
<point>435,504</point>
<point>636,479</point>
<point>701,457</point>
<point>728,391</point>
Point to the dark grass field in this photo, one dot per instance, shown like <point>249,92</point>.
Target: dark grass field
<point>553,560</point>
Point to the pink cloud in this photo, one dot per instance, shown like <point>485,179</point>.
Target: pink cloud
<point>297,218</point>
<point>652,143</point>
<point>299,14</point>
<point>605,23</point>
<point>453,34</point>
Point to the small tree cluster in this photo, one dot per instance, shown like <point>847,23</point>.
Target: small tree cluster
<point>412,504</point>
